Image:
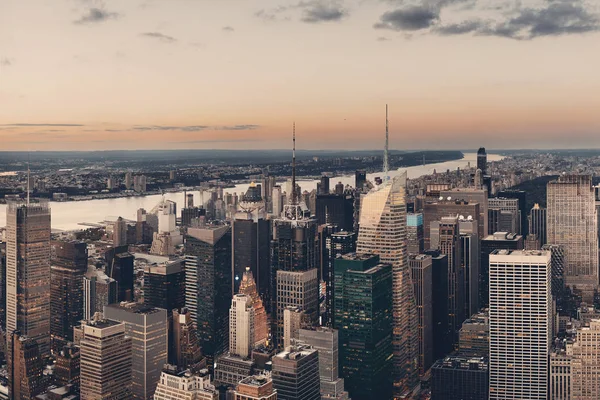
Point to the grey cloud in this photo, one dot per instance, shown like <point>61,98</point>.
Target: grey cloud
<point>195,128</point>
<point>6,62</point>
<point>96,15</point>
<point>237,128</point>
<point>29,125</point>
<point>412,18</point>
<point>321,12</point>
<point>159,36</point>
<point>265,15</point>
<point>228,29</point>
<point>382,39</point>
<point>460,28</point>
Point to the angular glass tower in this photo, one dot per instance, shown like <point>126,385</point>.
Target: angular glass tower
<point>383,232</point>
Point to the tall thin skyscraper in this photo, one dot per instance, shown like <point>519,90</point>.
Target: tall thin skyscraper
<point>336,245</point>
<point>241,326</point>
<point>28,272</point>
<point>69,264</point>
<point>383,232</point>
<point>248,287</point>
<point>105,358</point>
<point>482,160</point>
<point>572,222</point>
<point>26,373</point>
<point>421,272</point>
<point>98,291</point>
<point>148,329</point>
<point>520,324</point>
<point>186,352</point>
<point>537,223</point>
<point>250,247</point>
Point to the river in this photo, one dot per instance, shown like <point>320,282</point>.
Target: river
<point>67,215</point>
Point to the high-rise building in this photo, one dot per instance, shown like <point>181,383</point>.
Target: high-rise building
<point>26,377</point>
<point>251,240</point>
<point>208,286</point>
<point>120,268</point>
<point>560,375</point>
<point>421,273</point>
<point>482,160</point>
<point>521,196</point>
<point>68,266</point>
<point>442,337</point>
<point>585,363</point>
<point>471,195</point>
<point>470,253</point>
<point>256,387</point>
<point>164,285</point>
<point>336,245</point>
<point>520,304</point>
<point>325,340</point>
<point>497,241</point>
<point>241,326</point>
<point>98,291</point>
<point>296,373</point>
<point>572,222</point>
<point>559,263</point>
<point>365,338</point>
<point>360,178</point>
<point>460,378</point>
<point>186,352</point>
<point>105,359</point>
<point>3,286</point>
<point>503,215</point>
<point>294,319</point>
<point>261,329</point>
<point>448,208</point>
<point>277,201</point>
<point>415,233</point>
<point>120,232</point>
<point>474,336</point>
<point>175,384</point>
<point>128,180</point>
<point>324,185</point>
<point>67,366</point>
<point>336,209</point>
<point>148,329</point>
<point>28,273</point>
<point>445,237</point>
<point>296,289</point>
<point>383,232</point>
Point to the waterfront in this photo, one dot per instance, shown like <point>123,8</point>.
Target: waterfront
<point>67,215</point>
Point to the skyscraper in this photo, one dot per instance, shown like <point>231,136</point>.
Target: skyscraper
<point>164,285</point>
<point>415,233</point>
<point>471,195</point>
<point>520,303</point>
<point>98,291</point>
<point>251,239</point>
<point>460,378</point>
<point>337,209</point>
<point>360,178</point>
<point>120,268</point>
<point>421,273</point>
<point>504,215</point>
<point>537,223</point>
<point>175,384</point>
<point>445,237</point>
<point>325,341</point>
<point>296,289</point>
<point>67,366</point>
<point>585,363</point>
<point>363,300</point>
<point>28,272</point>
<point>120,232</point>
<point>383,232</point>
<point>208,286</point>
<point>521,196</point>
<point>296,373</point>
<point>572,222</point>
<point>148,329</point>
<point>186,352</point>
<point>241,326</point>
<point>248,287</point>
<point>256,387</point>
<point>26,373</point>
<point>482,160</point>
<point>470,262</point>
<point>442,337</point>
<point>105,359</point>
<point>449,208</point>
<point>336,245</point>
<point>68,266</point>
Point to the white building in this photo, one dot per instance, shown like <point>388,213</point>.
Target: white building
<point>185,385</point>
<point>520,324</point>
<point>241,326</point>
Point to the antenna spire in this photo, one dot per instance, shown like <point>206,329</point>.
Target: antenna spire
<point>385,151</point>
<point>294,197</point>
<point>28,179</point>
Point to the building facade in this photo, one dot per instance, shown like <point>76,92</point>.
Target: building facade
<point>421,273</point>
<point>296,373</point>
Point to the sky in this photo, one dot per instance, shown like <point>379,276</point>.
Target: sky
<point>172,74</point>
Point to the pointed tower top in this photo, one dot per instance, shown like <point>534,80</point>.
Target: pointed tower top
<point>28,179</point>
<point>385,151</point>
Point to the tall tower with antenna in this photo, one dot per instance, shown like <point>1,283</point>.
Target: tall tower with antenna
<point>386,166</point>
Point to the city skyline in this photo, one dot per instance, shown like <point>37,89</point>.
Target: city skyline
<point>101,75</point>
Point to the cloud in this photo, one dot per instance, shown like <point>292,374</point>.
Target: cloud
<point>159,36</point>
<point>96,15</point>
<point>195,128</point>
<point>315,12</point>
<point>30,125</point>
<point>6,62</point>
<point>411,18</point>
<point>382,39</point>
<point>265,15</point>
<point>507,19</point>
<point>228,29</point>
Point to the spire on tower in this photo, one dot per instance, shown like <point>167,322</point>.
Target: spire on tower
<point>28,180</point>
<point>385,151</point>
<point>294,194</point>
